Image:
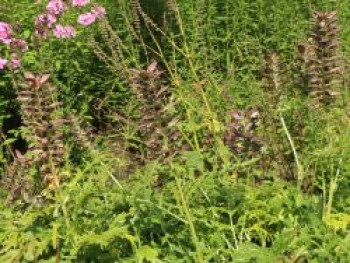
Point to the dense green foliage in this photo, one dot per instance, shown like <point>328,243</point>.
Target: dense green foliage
<point>233,147</point>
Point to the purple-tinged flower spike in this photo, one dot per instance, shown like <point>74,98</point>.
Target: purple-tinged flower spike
<point>80,2</point>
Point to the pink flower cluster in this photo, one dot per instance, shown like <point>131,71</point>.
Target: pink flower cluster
<point>5,33</point>
<point>64,31</point>
<point>16,46</point>
<point>46,22</point>
<point>80,2</point>
<point>90,17</point>
<point>3,63</point>
<point>55,7</point>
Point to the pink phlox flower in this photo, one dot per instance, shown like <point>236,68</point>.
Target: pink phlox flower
<point>51,20</point>
<point>3,63</point>
<point>55,7</point>
<point>86,19</point>
<point>99,11</point>
<point>59,31</point>
<point>19,44</point>
<point>80,2</point>
<point>70,31</point>
<point>15,61</point>
<point>5,33</point>
<point>64,31</point>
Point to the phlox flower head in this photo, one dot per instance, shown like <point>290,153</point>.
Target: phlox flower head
<point>98,12</point>
<point>51,20</point>
<point>64,31</point>
<point>55,7</point>
<point>80,2</point>
<point>70,31</point>
<point>3,63</point>
<point>58,31</point>
<point>5,33</point>
<point>86,19</point>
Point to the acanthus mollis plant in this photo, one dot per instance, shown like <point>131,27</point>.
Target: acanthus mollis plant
<point>156,124</point>
<point>274,88</point>
<point>325,67</point>
<point>43,130</point>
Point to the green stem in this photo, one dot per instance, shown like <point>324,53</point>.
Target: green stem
<point>190,222</point>
<point>300,173</point>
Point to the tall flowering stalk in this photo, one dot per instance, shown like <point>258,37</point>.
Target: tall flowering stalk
<point>325,67</point>
<point>274,86</point>
<point>44,131</point>
<point>46,149</point>
<point>156,124</point>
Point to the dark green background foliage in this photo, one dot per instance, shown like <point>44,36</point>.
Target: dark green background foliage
<point>222,188</point>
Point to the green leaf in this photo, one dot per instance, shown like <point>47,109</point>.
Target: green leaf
<point>147,253</point>
<point>9,141</point>
<point>194,160</point>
